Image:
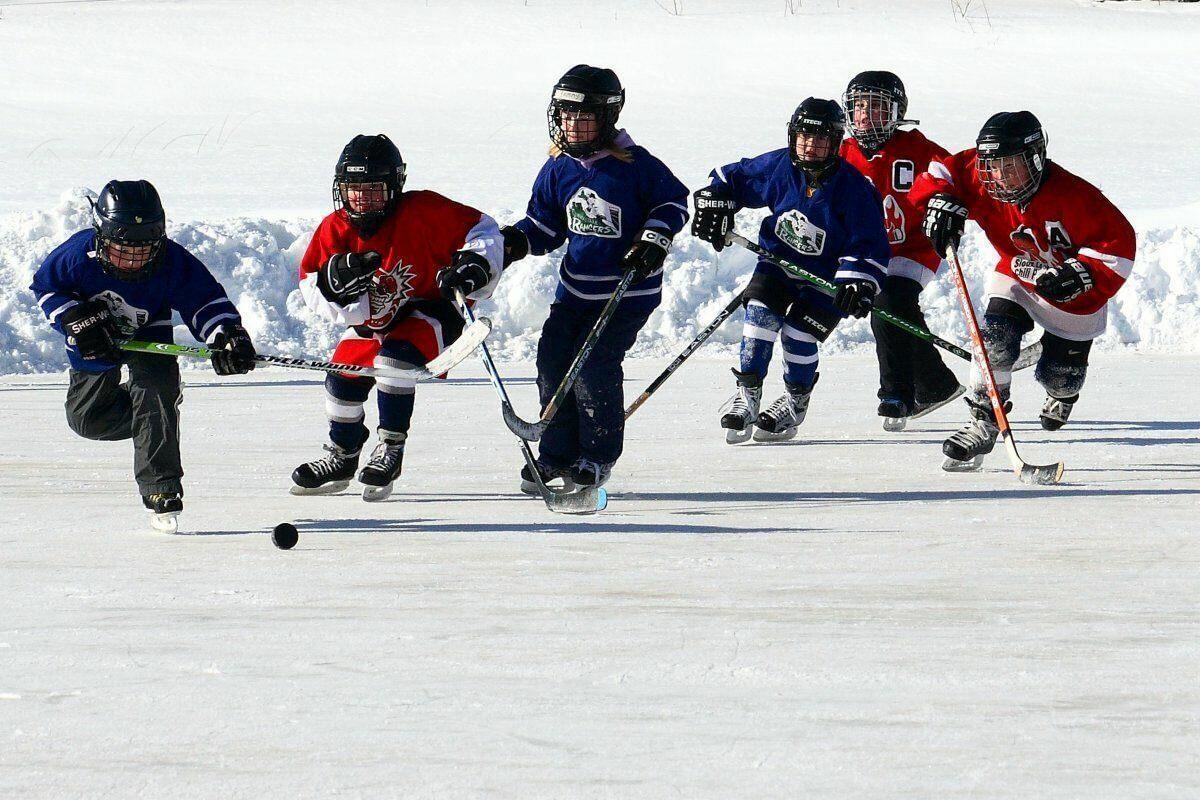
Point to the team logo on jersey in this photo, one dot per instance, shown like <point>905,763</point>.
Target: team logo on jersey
<point>904,173</point>
<point>799,233</point>
<point>1035,259</point>
<point>389,290</point>
<point>129,318</point>
<point>589,214</point>
<point>893,219</point>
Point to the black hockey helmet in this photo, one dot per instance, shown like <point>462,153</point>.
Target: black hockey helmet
<point>131,228</point>
<point>373,167</point>
<point>821,118</point>
<point>883,104</point>
<point>585,90</point>
<point>1011,162</point>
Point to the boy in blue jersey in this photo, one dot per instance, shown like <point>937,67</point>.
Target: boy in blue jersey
<point>121,279</point>
<point>827,218</point>
<point>617,208</point>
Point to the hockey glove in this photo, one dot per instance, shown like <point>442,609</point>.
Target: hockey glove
<point>516,244</point>
<point>348,275</point>
<point>855,296</point>
<point>468,273</point>
<point>647,254</point>
<point>232,351</point>
<point>945,218</point>
<point>714,216</point>
<point>1063,283</point>
<point>92,329</point>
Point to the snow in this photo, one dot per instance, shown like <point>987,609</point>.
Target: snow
<point>735,625</point>
<point>830,617</point>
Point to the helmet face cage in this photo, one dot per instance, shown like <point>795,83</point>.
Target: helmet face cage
<point>873,114</point>
<point>365,198</point>
<point>1012,178</point>
<point>128,247</point>
<point>823,157</point>
<point>582,124</point>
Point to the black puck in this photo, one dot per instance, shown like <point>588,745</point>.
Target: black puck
<point>285,536</point>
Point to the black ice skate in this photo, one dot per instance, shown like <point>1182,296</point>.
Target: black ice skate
<point>965,450</point>
<point>529,485</point>
<point>927,406</point>
<point>781,419</point>
<point>894,412</point>
<point>164,508</point>
<point>383,467</point>
<point>1056,411</point>
<point>586,473</point>
<point>326,475</point>
<point>738,421</point>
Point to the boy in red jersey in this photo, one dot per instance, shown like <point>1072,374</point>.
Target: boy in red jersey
<point>1064,251</point>
<point>913,380</point>
<point>385,263</point>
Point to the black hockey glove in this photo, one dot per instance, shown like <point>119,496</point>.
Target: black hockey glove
<point>468,273</point>
<point>855,296</point>
<point>232,351</point>
<point>945,218</point>
<point>91,327</point>
<point>1063,283</point>
<point>647,254</point>
<point>714,216</point>
<point>516,244</point>
<point>348,275</point>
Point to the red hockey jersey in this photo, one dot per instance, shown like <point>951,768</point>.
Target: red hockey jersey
<point>416,240</point>
<point>893,170</point>
<point>1066,217</point>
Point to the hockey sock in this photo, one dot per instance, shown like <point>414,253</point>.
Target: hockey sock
<point>759,333</point>
<point>799,357</point>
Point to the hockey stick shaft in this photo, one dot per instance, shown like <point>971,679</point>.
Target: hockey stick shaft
<point>1028,473</point>
<point>583,503</point>
<point>695,344</point>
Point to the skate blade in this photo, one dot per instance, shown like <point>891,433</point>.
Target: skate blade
<point>772,436</point>
<point>329,488</point>
<point>375,494</point>
<point>733,436</point>
<point>165,523</point>
<point>930,409</point>
<point>970,465</point>
<point>894,424</point>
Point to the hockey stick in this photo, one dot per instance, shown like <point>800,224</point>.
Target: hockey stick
<point>532,431</point>
<point>472,336</point>
<point>585,501</point>
<point>1028,356</point>
<point>700,339</point>
<point>1028,473</point>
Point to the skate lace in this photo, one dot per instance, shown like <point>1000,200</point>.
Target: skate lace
<point>974,432</point>
<point>1055,408</point>
<point>330,463</point>
<point>385,456</point>
<point>781,410</point>
<point>739,403</point>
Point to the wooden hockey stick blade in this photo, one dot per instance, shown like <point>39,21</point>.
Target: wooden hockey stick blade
<point>529,431</point>
<point>470,339</point>
<point>580,501</point>
<point>1036,474</point>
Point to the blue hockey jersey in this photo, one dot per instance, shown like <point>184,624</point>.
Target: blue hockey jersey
<point>834,229</point>
<point>142,309</point>
<point>598,205</point>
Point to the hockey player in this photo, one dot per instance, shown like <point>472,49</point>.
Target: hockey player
<point>1064,252</point>
<point>121,279</point>
<point>912,378</point>
<point>383,264</point>
<point>616,207</point>
<point>826,217</point>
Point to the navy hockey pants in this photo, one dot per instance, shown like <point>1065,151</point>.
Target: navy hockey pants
<point>591,421</point>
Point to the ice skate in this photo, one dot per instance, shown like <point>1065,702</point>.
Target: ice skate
<point>894,412</point>
<point>383,467</point>
<point>922,407</point>
<point>780,421</point>
<point>164,508</point>
<point>965,449</point>
<point>738,421</point>
<point>589,474</point>
<point>1056,412</point>
<point>561,474</point>
<point>326,475</point>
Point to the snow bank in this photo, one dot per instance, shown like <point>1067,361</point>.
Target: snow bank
<point>256,260</point>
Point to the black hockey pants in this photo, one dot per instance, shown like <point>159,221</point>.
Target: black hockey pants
<point>910,369</point>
